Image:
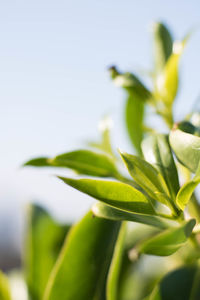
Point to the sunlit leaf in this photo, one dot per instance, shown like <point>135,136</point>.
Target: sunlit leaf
<point>157,151</point>
<point>187,190</point>
<point>105,211</point>
<point>163,43</point>
<point>169,241</point>
<point>82,161</point>
<point>116,264</point>
<point>186,147</point>
<point>117,194</point>
<point>82,267</point>
<point>147,176</point>
<point>180,284</point>
<point>44,240</point>
<point>4,287</point>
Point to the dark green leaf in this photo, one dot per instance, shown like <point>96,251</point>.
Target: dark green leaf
<point>146,176</point>
<point>186,147</point>
<point>104,211</point>
<point>116,264</point>
<point>180,284</point>
<point>157,151</point>
<point>162,45</point>
<point>169,241</point>
<point>117,194</point>
<point>4,287</point>
<point>44,241</point>
<point>82,267</point>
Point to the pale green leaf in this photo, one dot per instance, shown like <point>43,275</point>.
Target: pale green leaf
<point>186,147</point>
<point>187,190</point>
<point>105,211</point>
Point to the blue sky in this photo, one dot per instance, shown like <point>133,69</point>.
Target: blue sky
<point>55,86</point>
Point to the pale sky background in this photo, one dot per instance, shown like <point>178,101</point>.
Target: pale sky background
<point>54,86</point>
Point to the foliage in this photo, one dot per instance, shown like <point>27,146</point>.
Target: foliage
<point>144,214</point>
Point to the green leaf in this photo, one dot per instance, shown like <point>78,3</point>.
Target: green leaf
<point>82,161</point>
<point>146,176</point>
<point>44,241</point>
<point>39,162</point>
<point>87,162</point>
<point>117,194</point>
<point>104,211</point>
<point>116,265</point>
<point>186,147</point>
<point>180,284</point>
<point>163,43</point>
<point>134,120</point>
<point>82,267</point>
<point>169,241</point>
<point>157,151</point>
<point>187,190</point>
<point>4,287</point>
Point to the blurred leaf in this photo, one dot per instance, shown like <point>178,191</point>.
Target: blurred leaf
<point>169,241</point>
<point>186,147</point>
<point>147,177</point>
<point>39,162</point>
<point>82,161</point>
<point>163,43</point>
<point>167,81</point>
<point>105,143</point>
<point>104,211</point>
<point>134,120</point>
<point>44,241</point>
<point>117,194</point>
<point>82,267</point>
<point>131,83</point>
<point>138,94</point>
<point>4,287</point>
<point>112,292</point>
<point>157,151</point>
<point>180,284</point>
<point>187,190</point>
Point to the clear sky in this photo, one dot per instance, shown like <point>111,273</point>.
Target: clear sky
<point>54,86</point>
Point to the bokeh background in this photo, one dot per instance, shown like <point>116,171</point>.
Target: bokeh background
<point>55,87</point>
